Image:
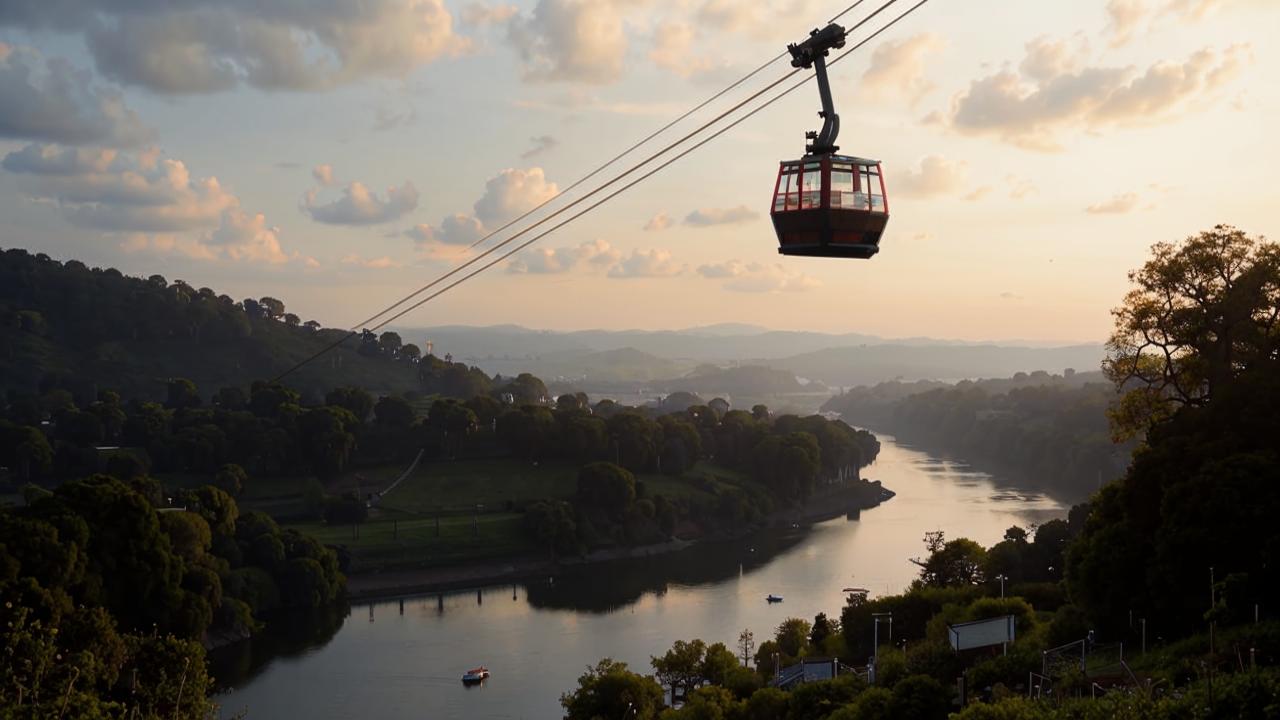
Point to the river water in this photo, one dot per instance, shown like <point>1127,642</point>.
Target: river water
<point>401,659</point>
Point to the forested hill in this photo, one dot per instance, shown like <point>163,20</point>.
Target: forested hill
<point>73,326</point>
<point>1047,431</point>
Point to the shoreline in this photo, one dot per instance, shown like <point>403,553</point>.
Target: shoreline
<point>391,584</point>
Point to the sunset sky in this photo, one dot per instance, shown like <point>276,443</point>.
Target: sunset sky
<point>337,154</point>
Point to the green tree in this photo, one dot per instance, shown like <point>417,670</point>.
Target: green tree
<point>610,690</point>
<point>181,394</point>
<point>1201,313</point>
<point>792,636</point>
<point>231,479</point>
<point>608,487</point>
<point>390,342</point>
<point>393,412</point>
<point>553,524</point>
<point>271,307</point>
<point>955,562</point>
<point>355,400</point>
<point>681,667</point>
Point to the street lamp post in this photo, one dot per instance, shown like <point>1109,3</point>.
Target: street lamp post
<point>1002,577</point>
<point>876,618</point>
<point>1144,635</point>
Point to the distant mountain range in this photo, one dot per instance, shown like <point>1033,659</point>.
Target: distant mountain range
<point>608,356</point>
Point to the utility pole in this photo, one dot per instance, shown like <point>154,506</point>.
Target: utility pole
<point>1144,636</point>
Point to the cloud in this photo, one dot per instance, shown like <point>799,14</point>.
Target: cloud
<point>646,264</point>
<point>1052,93</point>
<point>758,277</point>
<point>578,41</point>
<point>381,263</point>
<point>978,193</point>
<point>149,200</point>
<point>359,206</point>
<point>898,67</point>
<point>673,43</point>
<point>550,261</point>
<point>936,176</point>
<point>1125,16</point>
<point>1010,296</point>
<point>1118,205</point>
<point>52,101</point>
<point>245,237</point>
<point>512,193</point>
<point>455,229</point>
<point>707,217</point>
<point>541,144</point>
<point>118,192</point>
<point>323,175</point>
<point>659,222</point>
<point>200,46</point>
<point>480,14</point>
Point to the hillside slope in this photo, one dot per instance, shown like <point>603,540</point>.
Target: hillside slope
<point>98,328</point>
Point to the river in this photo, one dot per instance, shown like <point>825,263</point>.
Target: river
<point>401,659</point>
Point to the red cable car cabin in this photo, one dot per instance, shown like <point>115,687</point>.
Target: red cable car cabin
<point>830,206</point>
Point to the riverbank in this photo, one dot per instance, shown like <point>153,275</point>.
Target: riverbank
<point>845,501</point>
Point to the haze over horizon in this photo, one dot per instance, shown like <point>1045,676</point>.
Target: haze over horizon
<point>339,159</point>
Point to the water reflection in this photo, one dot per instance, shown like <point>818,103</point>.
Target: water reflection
<point>408,662</point>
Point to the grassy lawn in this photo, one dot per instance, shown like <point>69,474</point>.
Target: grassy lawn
<point>492,483</point>
<point>401,531</point>
<point>386,542</point>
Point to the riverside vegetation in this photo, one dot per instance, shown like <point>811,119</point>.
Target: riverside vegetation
<point>141,529</point>
<point>1177,559</point>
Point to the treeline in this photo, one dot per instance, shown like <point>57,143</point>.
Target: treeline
<point>785,460</point>
<point>1050,431</point>
<point>110,595</point>
<point>84,328</point>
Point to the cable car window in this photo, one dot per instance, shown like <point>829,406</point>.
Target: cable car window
<point>790,191</point>
<point>811,190</point>
<point>841,187</point>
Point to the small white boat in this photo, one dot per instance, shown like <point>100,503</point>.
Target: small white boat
<point>475,675</point>
<point>774,598</point>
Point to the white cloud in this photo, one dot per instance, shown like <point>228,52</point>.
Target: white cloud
<point>546,261</point>
<point>659,222</point>
<point>52,101</point>
<point>1125,16</point>
<point>646,264</point>
<point>241,236</point>
<point>455,229</point>
<point>149,200</point>
<point>707,217</point>
<point>758,277</point>
<point>581,41</point>
<point>512,193</point>
<point>1118,205</point>
<point>936,176</point>
<point>1054,92</point>
<point>323,175</point>
<point>200,46</point>
<point>673,44</point>
<point>359,206</point>
<point>898,67</point>
<point>118,192</point>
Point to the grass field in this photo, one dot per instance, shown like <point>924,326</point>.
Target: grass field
<point>402,529</point>
<point>392,540</point>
